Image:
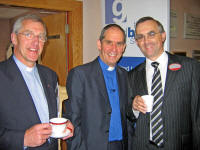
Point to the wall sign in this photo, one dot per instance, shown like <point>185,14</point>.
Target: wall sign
<point>127,12</point>
<point>191,26</point>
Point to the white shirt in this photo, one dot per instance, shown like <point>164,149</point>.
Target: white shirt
<point>33,82</point>
<point>163,63</point>
<point>32,79</point>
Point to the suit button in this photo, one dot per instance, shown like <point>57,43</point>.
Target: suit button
<point>109,112</point>
<point>107,131</point>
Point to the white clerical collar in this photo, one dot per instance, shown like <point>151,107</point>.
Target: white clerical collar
<point>22,66</point>
<point>110,68</point>
<point>29,69</point>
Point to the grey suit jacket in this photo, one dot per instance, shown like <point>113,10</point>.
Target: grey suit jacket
<point>89,109</point>
<point>181,106</point>
<point>17,110</point>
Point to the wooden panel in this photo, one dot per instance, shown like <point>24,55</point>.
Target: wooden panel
<point>64,5</point>
<point>75,15</point>
<point>54,54</point>
<point>75,56</point>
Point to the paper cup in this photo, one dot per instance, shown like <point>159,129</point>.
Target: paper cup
<point>148,100</point>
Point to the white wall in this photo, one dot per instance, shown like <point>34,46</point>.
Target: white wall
<point>179,43</point>
<point>92,25</point>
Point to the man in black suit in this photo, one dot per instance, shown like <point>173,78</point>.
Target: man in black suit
<point>28,96</point>
<point>174,123</point>
<point>98,97</point>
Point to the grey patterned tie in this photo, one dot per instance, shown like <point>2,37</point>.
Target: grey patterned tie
<point>156,114</point>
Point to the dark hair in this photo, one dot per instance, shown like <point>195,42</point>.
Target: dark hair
<point>18,23</point>
<point>102,35</point>
<point>143,19</point>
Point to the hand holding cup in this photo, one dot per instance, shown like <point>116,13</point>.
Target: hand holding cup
<point>59,126</point>
<point>148,100</point>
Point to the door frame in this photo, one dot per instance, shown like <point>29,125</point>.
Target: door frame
<point>74,11</point>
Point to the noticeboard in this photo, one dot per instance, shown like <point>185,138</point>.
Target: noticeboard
<point>191,26</point>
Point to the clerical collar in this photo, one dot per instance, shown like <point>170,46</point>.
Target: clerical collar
<point>104,66</point>
<point>22,66</point>
<point>110,68</point>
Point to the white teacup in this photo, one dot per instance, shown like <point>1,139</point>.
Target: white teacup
<point>58,126</point>
<point>148,100</point>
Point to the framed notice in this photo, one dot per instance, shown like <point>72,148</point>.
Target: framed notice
<point>196,54</point>
<point>173,23</point>
<point>191,26</point>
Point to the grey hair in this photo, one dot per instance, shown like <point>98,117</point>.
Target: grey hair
<point>18,23</point>
<point>102,35</point>
<point>143,19</point>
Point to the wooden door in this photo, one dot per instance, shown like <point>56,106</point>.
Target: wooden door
<point>55,52</point>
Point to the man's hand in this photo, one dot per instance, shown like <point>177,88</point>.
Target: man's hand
<point>139,105</point>
<point>37,135</point>
<point>71,128</point>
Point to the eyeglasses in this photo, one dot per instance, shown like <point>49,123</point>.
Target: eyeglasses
<point>150,35</point>
<point>31,35</point>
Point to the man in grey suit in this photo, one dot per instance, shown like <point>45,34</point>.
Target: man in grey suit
<point>28,96</point>
<point>174,81</point>
<point>98,97</point>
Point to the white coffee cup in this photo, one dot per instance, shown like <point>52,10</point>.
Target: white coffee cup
<point>148,100</point>
<point>58,126</point>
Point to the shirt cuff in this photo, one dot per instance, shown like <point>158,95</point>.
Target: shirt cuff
<point>136,113</point>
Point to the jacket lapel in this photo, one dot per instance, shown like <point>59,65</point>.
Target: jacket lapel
<point>101,82</point>
<point>141,88</point>
<point>142,82</point>
<point>169,83</point>
<point>170,78</point>
<point>20,89</point>
<point>120,84</point>
<point>121,80</point>
<point>47,87</point>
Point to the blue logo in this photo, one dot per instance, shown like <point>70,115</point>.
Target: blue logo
<point>130,63</point>
<point>115,11</point>
<point>131,35</point>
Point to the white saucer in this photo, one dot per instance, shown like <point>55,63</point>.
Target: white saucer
<point>60,135</point>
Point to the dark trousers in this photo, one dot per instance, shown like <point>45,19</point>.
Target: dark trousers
<point>115,145</point>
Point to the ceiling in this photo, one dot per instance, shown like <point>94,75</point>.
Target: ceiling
<point>9,12</point>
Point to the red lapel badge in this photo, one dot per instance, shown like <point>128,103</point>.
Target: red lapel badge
<point>175,67</point>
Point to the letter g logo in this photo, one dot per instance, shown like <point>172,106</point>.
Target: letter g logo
<point>119,13</point>
<point>115,11</point>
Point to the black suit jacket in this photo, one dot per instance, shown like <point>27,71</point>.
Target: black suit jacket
<point>17,110</point>
<point>181,106</point>
<point>89,109</point>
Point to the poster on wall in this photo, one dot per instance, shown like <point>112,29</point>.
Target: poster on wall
<point>191,26</point>
<point>126,13</point>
